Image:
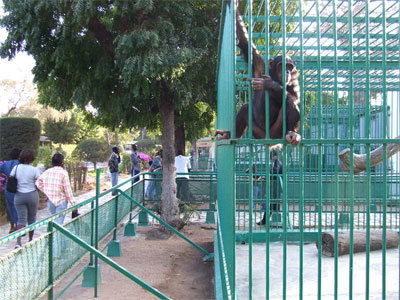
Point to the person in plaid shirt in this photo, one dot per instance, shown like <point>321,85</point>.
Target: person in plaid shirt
<point>54,182</point>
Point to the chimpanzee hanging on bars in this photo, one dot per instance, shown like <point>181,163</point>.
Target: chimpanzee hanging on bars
<point>272,84</point>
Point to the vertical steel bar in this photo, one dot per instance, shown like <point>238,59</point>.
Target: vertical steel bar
<point>116,218</point>
<point>368,150</point>
<point>267,155</point>
<point>337,190</point>
<point>96,235</point>
<point>250,64</point>
<point>385,135</point>
<point>284,204</point>
<point>251,189</point>
<point>301,207</point>
<point>320,116</point>
<point>266,38</point>
<point>50,294</point>
<point>351,104</point>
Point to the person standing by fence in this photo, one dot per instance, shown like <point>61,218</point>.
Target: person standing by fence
<point>135,162</point>
<point>26,198</point>
<point>5,168</point>
<point>114,161</point>
<point>182,165</point>
<point>54,182</point>
<point>151,191</point>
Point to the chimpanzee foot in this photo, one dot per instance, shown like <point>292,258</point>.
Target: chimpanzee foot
<point>293,138</point>
<point>225,134</point>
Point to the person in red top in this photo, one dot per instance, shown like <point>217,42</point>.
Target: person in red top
<point>54,182</point>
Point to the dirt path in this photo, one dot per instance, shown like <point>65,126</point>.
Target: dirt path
<point>172,266</point>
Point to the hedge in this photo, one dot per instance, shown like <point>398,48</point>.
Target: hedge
<point>23,133</point>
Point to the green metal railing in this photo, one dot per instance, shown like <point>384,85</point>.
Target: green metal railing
<point>32,270</point>
<point>348,58</point>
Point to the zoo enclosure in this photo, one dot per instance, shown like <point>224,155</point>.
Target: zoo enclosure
<point>348,57</point>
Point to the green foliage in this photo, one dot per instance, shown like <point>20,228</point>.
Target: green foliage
<point>61,131</point>
<point>44,156</point>
<point>146,145</point>
<point>23,133</point>
<point>127,51</point>
<point>125,166</point>
<point>92,150</point>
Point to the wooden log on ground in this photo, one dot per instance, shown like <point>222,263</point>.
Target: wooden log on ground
<point>359,241</point>
<point>360,160</point>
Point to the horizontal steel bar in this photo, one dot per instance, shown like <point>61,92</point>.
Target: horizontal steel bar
<point>165,224</point>
<point>109,261</point>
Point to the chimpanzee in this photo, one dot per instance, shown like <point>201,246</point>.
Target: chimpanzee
<point>272,84</point>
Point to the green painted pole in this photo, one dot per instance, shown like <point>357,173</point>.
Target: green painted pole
<point>96,236</point>
<point>116,218</point>
<point>50,294</point>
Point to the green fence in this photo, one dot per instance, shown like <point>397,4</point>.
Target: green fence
<point>30,271</point>
<point>24,273</point>
<point>348,58</point>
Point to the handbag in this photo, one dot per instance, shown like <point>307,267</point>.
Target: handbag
<point>12,183</point>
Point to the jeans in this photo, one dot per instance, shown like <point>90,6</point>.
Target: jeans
<point>151,191</point>
<point>56,209</point>
<point>114,181</point>
<point>10,207</point>
<point>135,172</point>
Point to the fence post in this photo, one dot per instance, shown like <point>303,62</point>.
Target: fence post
<point>50,275</point>
<point>130,228</point>
<point>114,247</point>
<point>92,276</point>
<point>143,216</point>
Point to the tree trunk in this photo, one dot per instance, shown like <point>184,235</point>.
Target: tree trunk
<point>359,241</point>
<point>169,202</point>
<point>180,138</point>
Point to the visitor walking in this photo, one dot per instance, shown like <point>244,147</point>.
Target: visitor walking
<point>54,183</point>
<point>26,198</point>
<point>135,163</point>
<point>113,162</point>
<point>5,168</point>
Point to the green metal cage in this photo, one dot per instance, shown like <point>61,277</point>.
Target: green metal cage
<point>348,57</point>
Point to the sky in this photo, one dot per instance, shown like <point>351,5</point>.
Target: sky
<point>17,69</point>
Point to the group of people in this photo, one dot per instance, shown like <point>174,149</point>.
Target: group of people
<point>182,165</point>
<point>22,206</point>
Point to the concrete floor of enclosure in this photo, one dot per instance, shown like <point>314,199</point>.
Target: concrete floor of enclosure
<point>310,273</point>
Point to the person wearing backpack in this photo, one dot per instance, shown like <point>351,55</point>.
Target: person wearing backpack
<point>5,168</point>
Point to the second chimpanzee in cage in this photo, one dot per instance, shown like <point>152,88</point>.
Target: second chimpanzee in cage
<point>272,84</point>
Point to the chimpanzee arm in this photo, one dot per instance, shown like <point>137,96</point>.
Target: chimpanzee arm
<point>258,61</point>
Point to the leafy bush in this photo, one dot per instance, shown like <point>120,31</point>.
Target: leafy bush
<point>44,156</point>
<point>23,133</point>
<point>92,150</point>
<point>146,146</point>
<point>125,166</point>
